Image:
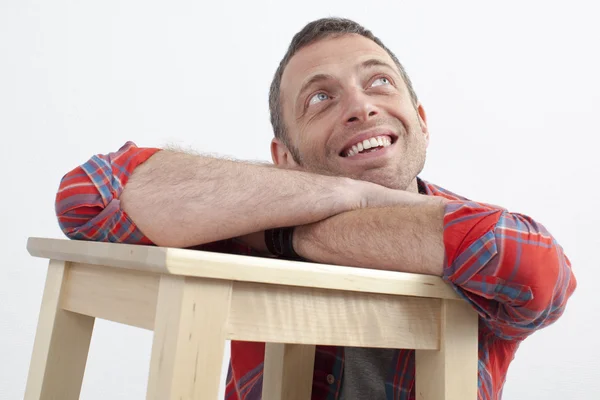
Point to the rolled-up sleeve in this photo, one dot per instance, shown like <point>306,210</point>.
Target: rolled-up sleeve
<point>508,266</point>
<point>87,202</point>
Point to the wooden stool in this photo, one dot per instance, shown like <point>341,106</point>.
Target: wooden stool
<point>195,300</point>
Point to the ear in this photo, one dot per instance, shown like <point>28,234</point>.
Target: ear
<point>281,155</point>
<point>423,121</point>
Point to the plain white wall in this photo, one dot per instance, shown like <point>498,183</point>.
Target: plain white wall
<point>511,90</point>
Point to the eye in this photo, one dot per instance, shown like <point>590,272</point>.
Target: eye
<point>317,98</point>
<point>381,81</point>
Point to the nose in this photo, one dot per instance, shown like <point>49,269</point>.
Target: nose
<point>360,108</point>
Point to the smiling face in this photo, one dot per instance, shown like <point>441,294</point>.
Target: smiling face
<point>349,113</point>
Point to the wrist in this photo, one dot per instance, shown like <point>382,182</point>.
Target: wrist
<point>350,194</point>
<point>279,242</point>
<point>299,240</point>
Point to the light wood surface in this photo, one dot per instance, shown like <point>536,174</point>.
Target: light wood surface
<point>265,312</point>
<point>189,338</point>
<point>195,300</point>
<point>288,371</point>
<point>286,314</point>
<point>62,341</point>
<point>241,268</point>
<point>451,372</point>
<point>119,295</point>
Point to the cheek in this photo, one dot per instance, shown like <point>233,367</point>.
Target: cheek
<point>407,114</point>
<point>315,137</point>
<point>313,149</point>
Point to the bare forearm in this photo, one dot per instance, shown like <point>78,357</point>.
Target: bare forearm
<point>182,200</point>
<point>400,238</point>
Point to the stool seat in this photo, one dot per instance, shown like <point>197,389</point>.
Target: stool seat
<point>196,300</point>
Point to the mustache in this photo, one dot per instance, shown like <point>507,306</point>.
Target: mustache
<point>395,124</point>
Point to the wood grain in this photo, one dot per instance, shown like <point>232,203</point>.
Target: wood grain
<point>288,373</point>
<point>189,338</point>
<point>241,268</point>
<point>195,300</point>
<point>451,372</point>
<point>120,295</point>
<point>61,346</point>
<point>286,314</point>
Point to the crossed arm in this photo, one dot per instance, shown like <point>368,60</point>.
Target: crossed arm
<point>400,238</point>
<point>506,265</point>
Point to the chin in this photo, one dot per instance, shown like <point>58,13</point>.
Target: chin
<point>392,178</point>
<point>392,181</point>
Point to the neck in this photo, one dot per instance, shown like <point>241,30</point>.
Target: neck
<point>413,187</point>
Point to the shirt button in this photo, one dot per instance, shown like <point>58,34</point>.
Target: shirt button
<point>330,379</point>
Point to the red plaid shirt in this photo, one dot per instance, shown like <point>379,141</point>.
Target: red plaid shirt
<point>506,265</point>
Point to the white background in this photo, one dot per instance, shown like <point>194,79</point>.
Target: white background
<point>511,90</point>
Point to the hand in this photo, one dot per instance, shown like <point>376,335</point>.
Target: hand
<point>372,195</point>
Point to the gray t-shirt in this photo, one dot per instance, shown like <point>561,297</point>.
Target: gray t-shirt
<point>365,371</point>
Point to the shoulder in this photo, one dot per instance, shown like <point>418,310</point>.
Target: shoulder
<point>456,200</point>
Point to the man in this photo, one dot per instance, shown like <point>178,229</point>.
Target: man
<point>350,141</point>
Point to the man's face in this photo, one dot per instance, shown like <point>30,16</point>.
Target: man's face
<point>348,112</point>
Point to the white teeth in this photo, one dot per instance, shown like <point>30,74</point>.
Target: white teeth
<point>379,141</point>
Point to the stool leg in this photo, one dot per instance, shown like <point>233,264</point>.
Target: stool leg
<point>288,371</point>
<point>62,342</point>
<point>451,372</point>
<point>189,338</point>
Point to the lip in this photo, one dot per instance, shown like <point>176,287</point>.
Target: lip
<point>368,135</point>
<point>382,153</point>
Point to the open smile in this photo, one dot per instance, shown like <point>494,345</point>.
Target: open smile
<point>374,145</point>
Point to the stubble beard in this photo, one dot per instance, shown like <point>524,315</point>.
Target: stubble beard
<point>402,174</point>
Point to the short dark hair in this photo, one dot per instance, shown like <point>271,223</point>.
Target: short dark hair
<point>312,32</point>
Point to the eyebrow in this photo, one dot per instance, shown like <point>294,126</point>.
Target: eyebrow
<point>374,62</point>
